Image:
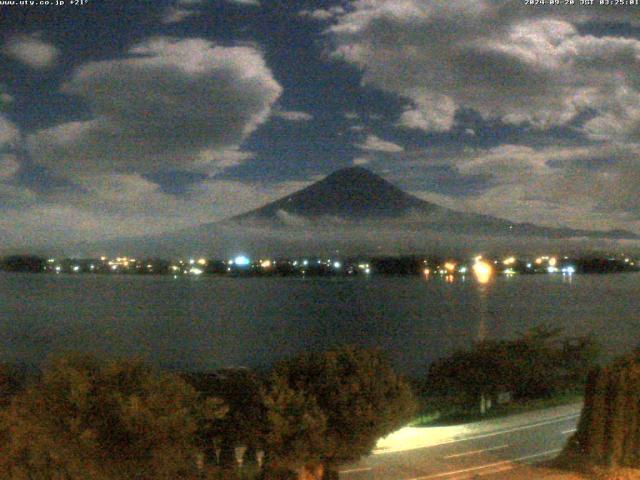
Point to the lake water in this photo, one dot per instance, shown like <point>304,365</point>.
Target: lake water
<point>212,322</point>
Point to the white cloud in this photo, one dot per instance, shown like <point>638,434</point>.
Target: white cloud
<point>183,9</point>
<point>322,14</point>
<point>112,206</point>
<point>32,51</point>
<point>590,187</point>
<point>254,3</point>
<point>176,15</point>
<point>361,160</point>
<point>502,59</point>
<point>5,98</point>
<point>429,114</point>
<point>9,133</point>
<point>294,116</point>
<point>8,166</point>
<point>165,106</point>
<point>376,144</point>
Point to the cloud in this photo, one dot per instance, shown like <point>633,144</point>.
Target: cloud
<point>109,206</point>
<point>5,98</point>
<point>8,166</point>
<point>499,58</point>
<point>32,51</point>
<point>589,187</point>
<point>322,14</point>
<point>376,144</point>
<point>166,105</point>
<point>294,116</point>
<point>361,160</point>
<point>183,9</point>
<point>254,3</point>
<point>9,133</point>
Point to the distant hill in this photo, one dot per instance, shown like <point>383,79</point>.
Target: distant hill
<point>358,195</point>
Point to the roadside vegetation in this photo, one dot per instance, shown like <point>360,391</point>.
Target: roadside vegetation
<point>539,369</point>
<point>607,440</point>
<point>84,417</point>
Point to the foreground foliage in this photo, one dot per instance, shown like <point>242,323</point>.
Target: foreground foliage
<point>84,418</point>
<point>103,420</point>
<point>609,428</point>
<point>340,402</point>
<point>539,364</point>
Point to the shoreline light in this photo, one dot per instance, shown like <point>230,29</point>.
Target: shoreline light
<point>483,271</point>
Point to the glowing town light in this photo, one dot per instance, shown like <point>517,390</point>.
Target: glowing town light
<point>202,261</point>
<point>529,265</point>
<point>538,260</point>
<point>51,260</point>
<point>192,261</point>
<point>58,268</point>
<point>367,271</point>
<point>337,265</point>
<point>103,259</point>
<point>462,270</point>
<point>92,267</point>
<point>483,271</point>
<point>509,271</point>
<point>569,270</point>
<point>76,268</point>
<point>553,262</point>
<point>241,261</point>
<point>266,263</point>
<point>195,271</point>
<point>450,266</point>
<point>426,272</point>
<point>114,267</point>
<point>305,262</point>
<point>477,258</point>
<point>551,269</point>
<point>509,261</point>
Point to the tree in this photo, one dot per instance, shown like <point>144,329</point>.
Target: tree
<point>539,363</point>
<point>86,418</point>
<point>357,391</point>
<point>608,432</point>
<point>295,428</point>
<point>244,421</point>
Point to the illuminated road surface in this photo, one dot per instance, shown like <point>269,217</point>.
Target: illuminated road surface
<point>486,450</point>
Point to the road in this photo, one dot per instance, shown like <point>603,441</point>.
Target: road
<point>481,450</point>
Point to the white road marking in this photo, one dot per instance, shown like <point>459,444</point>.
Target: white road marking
<point>355,470</point>
<point>566,432</point>
<point>488,465</point>
<point>474,452</point>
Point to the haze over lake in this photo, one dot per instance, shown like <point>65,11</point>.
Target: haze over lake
<point>213,322</point>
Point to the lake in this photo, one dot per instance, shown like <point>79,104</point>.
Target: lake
<point>212,322</point>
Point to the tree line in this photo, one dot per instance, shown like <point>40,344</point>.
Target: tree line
<point>85,417</point>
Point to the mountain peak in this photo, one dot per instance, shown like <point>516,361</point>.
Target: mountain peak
<point>349,193</point>
<point>356,193</point>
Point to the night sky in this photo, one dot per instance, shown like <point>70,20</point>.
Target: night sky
<point>133,117</point>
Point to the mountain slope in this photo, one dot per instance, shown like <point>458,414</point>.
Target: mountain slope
<point>358,195</point>
<point>351,193</point>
